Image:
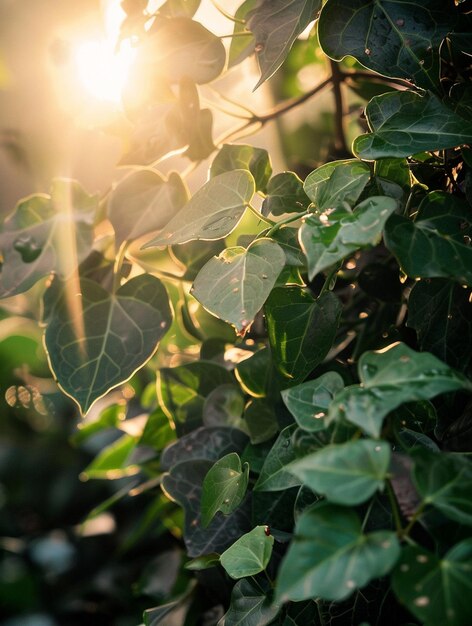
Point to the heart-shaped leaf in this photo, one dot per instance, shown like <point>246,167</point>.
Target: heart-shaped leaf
<point>145,201</point>
<point>331,557</point>
<point>285,194</point>
<point>235,285</point>
<point>301,329</point>
<point>274,476</point>
<point>348,473</point>
<point>46,233</point>
<point>391,37</point>
<point>250,554</point>
<point>336,183</point>
<point>97,340</point>
<point>224,487</point>
<point>309,402</point>
<point>405,123</point>
<point>241,46</point>
<point>389,378</point>
<point>243,157</point>
<point>251,605</point>
<point>212,213</point>
<point>331,236</point>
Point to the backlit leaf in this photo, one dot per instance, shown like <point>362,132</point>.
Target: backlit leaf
<point>249,555</point>
<point>285,194</point>
<point>336,183</point>
<point>224,487</point>
<point>243,157</point>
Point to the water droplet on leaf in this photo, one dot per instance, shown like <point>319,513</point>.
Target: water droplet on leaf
<point>28,248</point>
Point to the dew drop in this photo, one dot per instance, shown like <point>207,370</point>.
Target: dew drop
<point>163,324</point>
<point>368,52</point>
<point>264,276</point>
<point>236,290</point>
<point>350,584</point>
<point>404,358</point>
<point>28,248</point>
<point>377,448</point>
<point>422,601</point>
<point>226,500</point>
<point>319,415</point>
<point>467,240</point>
<point>449,317</point>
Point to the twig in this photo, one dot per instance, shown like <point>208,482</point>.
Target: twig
<point>340,136</point>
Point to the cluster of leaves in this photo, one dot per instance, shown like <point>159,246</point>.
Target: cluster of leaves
<point>307,445</point>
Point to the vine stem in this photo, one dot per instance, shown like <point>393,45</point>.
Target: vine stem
<point>416,516</point>
<point>395,511</point>
<point>287,220</point>
<point>337,78</point>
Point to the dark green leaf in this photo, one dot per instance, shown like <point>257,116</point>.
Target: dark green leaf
<point>235,285</point>
<point>184,485</point>
<point>331,236</point>
<point>213,212</point>
<point>348,473</point>
<point>274,476</point>
<point>97,340</point>
<point>111,462</point>
<point>250,605</point>
<point>249,555</point>
<point>441,313</point>
<point>243,157</point>
<point>437,243</point>
<point>275,25</point>
<point>437,591</point>
<point>285,194</point>
<point>287,238</point>
<point>274,508</point>
<point>404,123</point>
<point>224,406</point>
<point>203,562</point>
<point>254,373</point>
<point>301,329</point>
<point>389,378</point>
<point>143,202</point>
<point>445,482</point>
<point>224,487</point>
<point>395,170</point>
<point>241,47</point>
<point>336,183</point>
<point>391,37</point>
<point>46,233</point>
<point>330,557</point>
<point>261,420</point>
<point>309,402</point>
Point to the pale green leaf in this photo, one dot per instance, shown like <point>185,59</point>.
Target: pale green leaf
<point>249,555</point>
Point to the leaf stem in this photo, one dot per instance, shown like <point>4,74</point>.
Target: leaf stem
<point>416,516</point>
<point>287,220</point>
<point>337,78</point>
<point>329,279</point>
<point>228,16</point>
<point>395,511</point>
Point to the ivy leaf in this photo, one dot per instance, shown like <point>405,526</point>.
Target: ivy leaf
<point>285,194</point>
<point>235,285</point>
<point>274,476</point>
<point>309,402</point>
<point>437,591</point>
<point>251,605</point>
<point>405,123</point>
<point>348,473</point>
<point>182,391</point>
<point>97,340</point>
<point>433,245</point>
<point>46,233</point>
<point>183,484</point>
<point>274,508</point>
<point>336,183</point>
<point>261,420</point>
<point>212,213</point>
<point>254,373</point>
<point>445,482</point>
<point>224,487</point>
<point>145,201</point>
<point>329,237</point>
<point>389,378</point>
<point>301,329</point>
<point>249,555</point>
<point>112,461</point>
<point>241,47</point>
<point>205,443</point>
<point>243,157</point>
<point>275,25</point>
<point>441,313</point>
<point>391,37</point>
<point>224,406</point>
<point>331,557</point>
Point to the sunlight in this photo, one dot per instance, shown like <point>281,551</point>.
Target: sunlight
<point>102,65</point>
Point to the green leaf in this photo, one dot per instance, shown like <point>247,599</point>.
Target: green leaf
<point>212,213</point>
<point>389,378</point>
<point>183,484</point>
<point>301,329</point>
<point>249,555</point>
<point>261,420</point>
<point>437,591</point>
<point>182,391</point>
<point>285,194</point>
<point>243,157</point>
<point>433,246</point>
<point>445,482</point>
<point>224,487</point>
<point>275,25</point>
<point>44,234</point>
<point>309,402</point>
<point>145,201</point>
<point>391,37</point>
<point>235,285</point>
<point>274,476</point>
<point>348,473</point>
<point>251,605</point>
<point>203,562</point>
<point>441,313</point>
<point>331,236</point>
<point>111,462</point>
<point>97,340</point>
<point>241,47</point>
<point>394,170</point>
<point>274,508</point>
<point>336,183</point>
<point>254,373</point>
<point>330,557</point>
<point>224,406</point>
<point>287,238</point>
<point>405,123</point>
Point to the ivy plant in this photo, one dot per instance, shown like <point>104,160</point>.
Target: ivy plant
<point>305,335</point>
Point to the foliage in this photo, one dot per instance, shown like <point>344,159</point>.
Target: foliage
<point>311,413</point>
